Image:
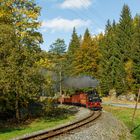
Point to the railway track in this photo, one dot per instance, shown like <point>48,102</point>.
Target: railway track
<point>64,129</point>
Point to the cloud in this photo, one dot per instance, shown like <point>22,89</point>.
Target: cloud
<point>75,4</point>
<point>61,24</point>
<point>99,30</point>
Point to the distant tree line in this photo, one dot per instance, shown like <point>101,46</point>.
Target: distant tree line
<point>112,57</point>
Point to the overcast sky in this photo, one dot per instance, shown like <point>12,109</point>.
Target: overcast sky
<point>58,17</point>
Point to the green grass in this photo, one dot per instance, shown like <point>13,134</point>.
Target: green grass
<point>36,125</point>
<point>125,115</point>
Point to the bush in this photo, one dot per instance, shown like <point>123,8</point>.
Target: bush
<point>50,105</point>
<point>34,109</point>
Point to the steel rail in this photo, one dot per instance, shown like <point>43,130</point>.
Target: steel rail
<point>64,129</point>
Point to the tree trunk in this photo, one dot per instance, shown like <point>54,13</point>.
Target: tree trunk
<point>136,106</point>
<point>17,107</point>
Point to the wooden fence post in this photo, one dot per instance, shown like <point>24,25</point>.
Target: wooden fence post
<point>136,106</point>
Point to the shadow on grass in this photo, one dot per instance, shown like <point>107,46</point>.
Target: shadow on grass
<point>7,127</point>
<point>59,114</point>
<point>51,116</point>
<point>10,129</point>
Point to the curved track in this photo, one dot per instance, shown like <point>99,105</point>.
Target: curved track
<point>58,131</point>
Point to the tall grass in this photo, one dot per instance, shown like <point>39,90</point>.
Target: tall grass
<point>125,115</point>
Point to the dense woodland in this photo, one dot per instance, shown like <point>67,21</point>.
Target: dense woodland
<point>27,72</point>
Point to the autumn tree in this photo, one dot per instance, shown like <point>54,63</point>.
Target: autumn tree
<point>20,76</point>
<point>86,56</point>
<point>7,42</point>
<point>87,40</point>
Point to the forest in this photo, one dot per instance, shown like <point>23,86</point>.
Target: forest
<point>27,72</point>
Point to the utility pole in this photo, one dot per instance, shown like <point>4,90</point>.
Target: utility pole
<point>60,78</point>
<point>60,88</point>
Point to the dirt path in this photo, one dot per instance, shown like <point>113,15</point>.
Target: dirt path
<point>121,105</point>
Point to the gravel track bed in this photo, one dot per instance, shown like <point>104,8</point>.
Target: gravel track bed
<point>105,127</point>
<point>82,113</point>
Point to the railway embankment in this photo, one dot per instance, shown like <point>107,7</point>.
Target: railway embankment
<point>107,127</point>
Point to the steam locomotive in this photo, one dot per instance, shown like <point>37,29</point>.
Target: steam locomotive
<point>88,99</point>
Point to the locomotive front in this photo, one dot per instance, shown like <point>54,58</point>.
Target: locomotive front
<point>93,101</point>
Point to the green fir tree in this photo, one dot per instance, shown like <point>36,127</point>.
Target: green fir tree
<point>135,55</point>
<point>74,43</point>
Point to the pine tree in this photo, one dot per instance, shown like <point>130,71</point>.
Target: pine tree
<point>58,47</point>
<point>57,55</point>
<point>125,32</point>
<point>111,66</point>
<point>124,40</point>
<point>74,43</point>
<point>74,46</point>
<point>105,55</point>
<point>87,40</point>
<point>135,54</point>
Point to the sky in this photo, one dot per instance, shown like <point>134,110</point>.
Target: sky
<point>58,17</point>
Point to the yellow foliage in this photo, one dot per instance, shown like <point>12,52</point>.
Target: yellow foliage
<point>46,63</point>
<point>128,69</point>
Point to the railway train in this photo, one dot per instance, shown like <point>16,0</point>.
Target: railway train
<point>88,99</point>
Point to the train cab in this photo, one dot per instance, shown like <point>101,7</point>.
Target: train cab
<point>94,102</point>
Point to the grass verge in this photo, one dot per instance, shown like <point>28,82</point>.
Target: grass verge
<point>125,115</point>
<point>63,116</point>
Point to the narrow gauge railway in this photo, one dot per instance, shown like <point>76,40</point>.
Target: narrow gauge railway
<point>64,129</point>
<point>90,100</point>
